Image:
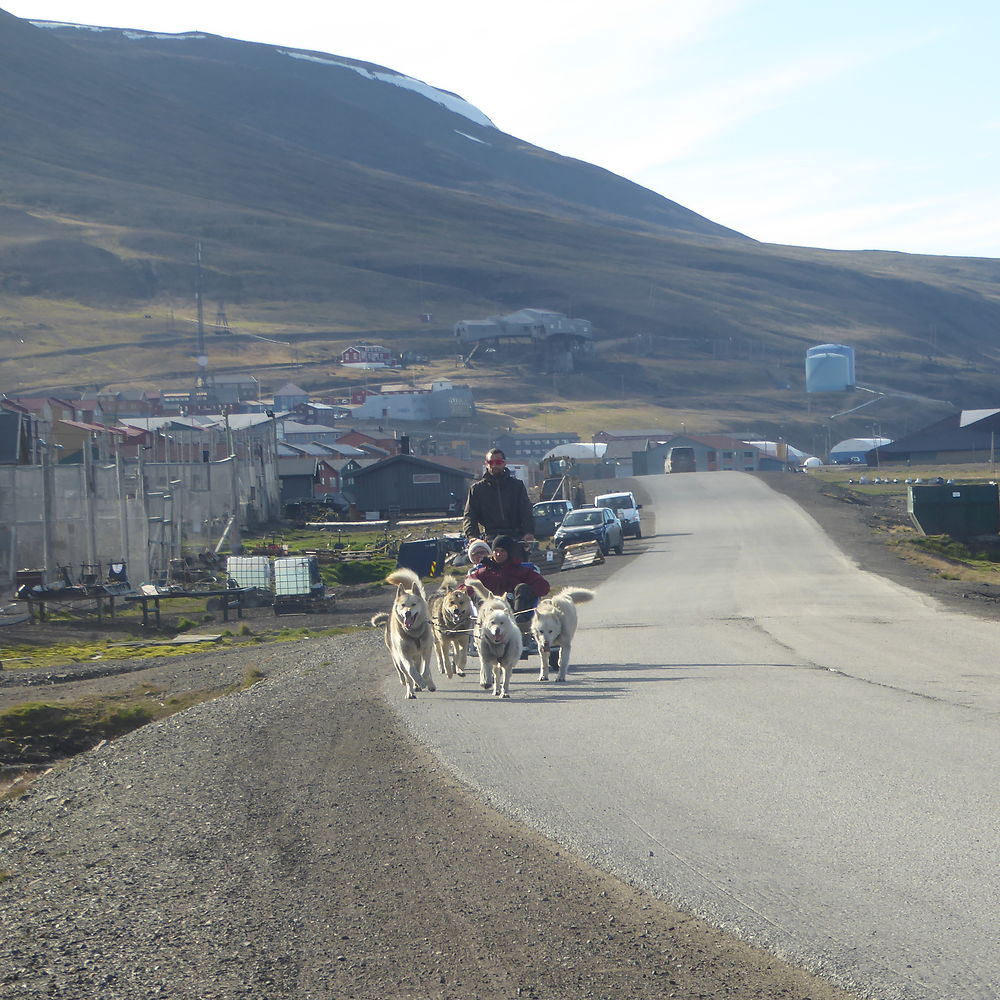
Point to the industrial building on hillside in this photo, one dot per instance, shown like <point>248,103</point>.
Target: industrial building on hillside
<point>555,339</point>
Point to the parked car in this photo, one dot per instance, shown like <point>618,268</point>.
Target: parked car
<point>680,460</point>
<point>549,515</point>
<point>587,524</point>
<point>625,506</point>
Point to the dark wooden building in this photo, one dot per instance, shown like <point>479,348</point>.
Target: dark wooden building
<point>406,484</point>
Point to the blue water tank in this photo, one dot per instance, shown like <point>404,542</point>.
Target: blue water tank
<point>829,368</point>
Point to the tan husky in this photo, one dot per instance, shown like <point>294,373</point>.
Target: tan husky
<point>408,633</point>
<point>452,618</point>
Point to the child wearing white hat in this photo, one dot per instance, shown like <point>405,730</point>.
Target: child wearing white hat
<point>478,550</point>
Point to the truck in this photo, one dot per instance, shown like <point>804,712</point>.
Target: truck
<point>563,488</point>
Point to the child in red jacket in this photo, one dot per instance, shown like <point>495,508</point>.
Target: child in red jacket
<point>504,572</point>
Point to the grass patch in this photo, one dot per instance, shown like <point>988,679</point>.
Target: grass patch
<point>26,656</point>
<point>43,731</point>
<point>305,632</point>
<point>942,545</point>
<point>950,558</point>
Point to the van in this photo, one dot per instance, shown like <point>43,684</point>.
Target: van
<point>624,505</point>
<point>548,516</point>
<point>680,460</point>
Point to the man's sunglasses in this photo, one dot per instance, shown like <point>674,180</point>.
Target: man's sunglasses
<point>497,461</point>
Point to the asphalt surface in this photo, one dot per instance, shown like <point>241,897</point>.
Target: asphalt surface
<point>754,729</point>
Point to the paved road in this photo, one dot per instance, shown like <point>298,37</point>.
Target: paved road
<point>803,753</point>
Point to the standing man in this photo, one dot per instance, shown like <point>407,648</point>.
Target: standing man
<point>498,503</point>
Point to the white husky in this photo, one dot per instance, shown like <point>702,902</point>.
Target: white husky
<point>498,639</point>
<point>408,634</point>
<point>554,626</point>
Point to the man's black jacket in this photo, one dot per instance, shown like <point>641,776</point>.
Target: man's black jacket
<point>498,505</point>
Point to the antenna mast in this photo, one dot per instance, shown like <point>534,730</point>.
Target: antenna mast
<point>202,359</point>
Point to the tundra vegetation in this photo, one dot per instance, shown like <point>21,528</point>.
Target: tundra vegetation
<point>886,491</point>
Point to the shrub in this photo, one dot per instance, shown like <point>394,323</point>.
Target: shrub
<point>369,571</point>
<point>123,719</point>
<point>943,545</point>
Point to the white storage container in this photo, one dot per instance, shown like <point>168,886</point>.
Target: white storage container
<point>250,571</point>
<point>295,575</point>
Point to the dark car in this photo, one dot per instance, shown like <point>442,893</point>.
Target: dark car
<point>588,524</point>
<point>549,515</point>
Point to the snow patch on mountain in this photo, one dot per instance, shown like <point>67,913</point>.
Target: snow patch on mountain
<point>443,97</point>
<point>181,36</point>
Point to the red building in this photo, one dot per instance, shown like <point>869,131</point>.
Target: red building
<point>368,354</point>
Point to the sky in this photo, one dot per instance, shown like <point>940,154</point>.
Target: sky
<point>850,125</point>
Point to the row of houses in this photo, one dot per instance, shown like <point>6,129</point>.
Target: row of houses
<point>436,400</point>
<point>969,436</point>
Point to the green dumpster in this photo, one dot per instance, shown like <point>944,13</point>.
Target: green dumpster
<point>960,511</point>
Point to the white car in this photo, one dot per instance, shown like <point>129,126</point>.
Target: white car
<point>625,506</point>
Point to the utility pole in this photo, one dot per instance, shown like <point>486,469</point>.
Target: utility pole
<point>88,500</point>
<point>235,542</point>
<point>46,513</point>
<point>198,302</point>
<point>122,505</point>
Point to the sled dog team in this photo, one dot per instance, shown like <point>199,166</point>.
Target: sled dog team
<point>418,628</point>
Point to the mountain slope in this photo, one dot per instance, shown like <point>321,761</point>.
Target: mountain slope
<point>335,199</point>
<point>366,115</point>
